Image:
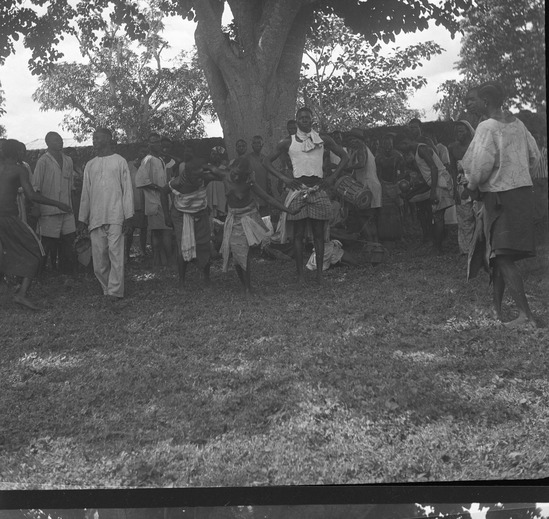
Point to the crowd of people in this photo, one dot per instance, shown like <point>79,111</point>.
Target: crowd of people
<point>315,187</point>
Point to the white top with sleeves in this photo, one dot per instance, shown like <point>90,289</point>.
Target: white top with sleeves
<point>500,156</point>
<point>107,192</point>
<point>53,181</point>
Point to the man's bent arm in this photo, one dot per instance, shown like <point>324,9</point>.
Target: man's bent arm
<point>38,197</point>
<point>332,146</point>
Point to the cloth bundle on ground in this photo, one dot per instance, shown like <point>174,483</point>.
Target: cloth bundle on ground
<point>333,252</point>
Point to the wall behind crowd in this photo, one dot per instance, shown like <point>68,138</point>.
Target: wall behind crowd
<point>444,131</point>
<point>81,155</point>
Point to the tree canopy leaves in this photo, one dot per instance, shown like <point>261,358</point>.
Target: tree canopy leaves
<point>504,40</point>
<point>450,107</point>
<point>124,86</point>
<point>348,82</point>
<point>253,80</point>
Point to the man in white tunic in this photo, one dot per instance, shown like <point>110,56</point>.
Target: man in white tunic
<point>54,178</point>
<point>105,207</point>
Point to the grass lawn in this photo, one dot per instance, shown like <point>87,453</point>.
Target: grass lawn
<point>394,373</point>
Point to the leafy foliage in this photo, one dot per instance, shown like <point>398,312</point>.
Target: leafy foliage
<point>124,88</point>
<point>450,107</point>
<point>349,82</point>
<point>308,511</point>
<point>504,40</point>
<point>44,27</point>
<point>267,54</point>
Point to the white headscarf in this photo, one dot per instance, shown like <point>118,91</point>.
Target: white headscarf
<point>310,140</point>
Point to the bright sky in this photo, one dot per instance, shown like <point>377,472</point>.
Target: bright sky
<point>478,512</point>
<point>24,120</point>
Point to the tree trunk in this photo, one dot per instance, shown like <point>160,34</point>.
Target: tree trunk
<point>254,82</point>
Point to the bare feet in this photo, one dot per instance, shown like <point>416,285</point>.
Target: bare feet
<point>520,322</point>
<point>21,300</point>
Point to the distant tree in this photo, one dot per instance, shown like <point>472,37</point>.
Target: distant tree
<point>450,106</point>
<point>504,40</point>
<point>126,87</point>
<point>350,83</point>
<point>253,79</point>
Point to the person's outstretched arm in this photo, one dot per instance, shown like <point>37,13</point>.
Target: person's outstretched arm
<point>271,200</point>
<point>31,194</point>
<point>332,146</point>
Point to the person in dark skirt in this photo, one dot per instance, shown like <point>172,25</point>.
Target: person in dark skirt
<point>497,164</point>
<point>20,250</point>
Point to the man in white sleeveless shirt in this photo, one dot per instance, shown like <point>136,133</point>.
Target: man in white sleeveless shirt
<point>307,187</point>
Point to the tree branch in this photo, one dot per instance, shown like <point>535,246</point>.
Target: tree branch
<point>276,21</point>
<point>209,13</point>
<point>247,17</point>
<point>75,104</point>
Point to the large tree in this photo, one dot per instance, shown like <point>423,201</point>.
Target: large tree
<point>253,77</point>
<point>504,40</point>
<point>350,83</point>
<point>126,87</point>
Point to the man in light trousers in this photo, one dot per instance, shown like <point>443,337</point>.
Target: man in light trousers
<point>106,206</point>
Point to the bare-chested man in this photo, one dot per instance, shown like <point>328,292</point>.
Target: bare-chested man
<point>21,251</point>
<point>306,151</point>
<point>243,227</point>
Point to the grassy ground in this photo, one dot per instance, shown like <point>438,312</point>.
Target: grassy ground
<point>386,374</point>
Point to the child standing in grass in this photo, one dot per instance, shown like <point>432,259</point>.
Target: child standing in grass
<point>244,227</point>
